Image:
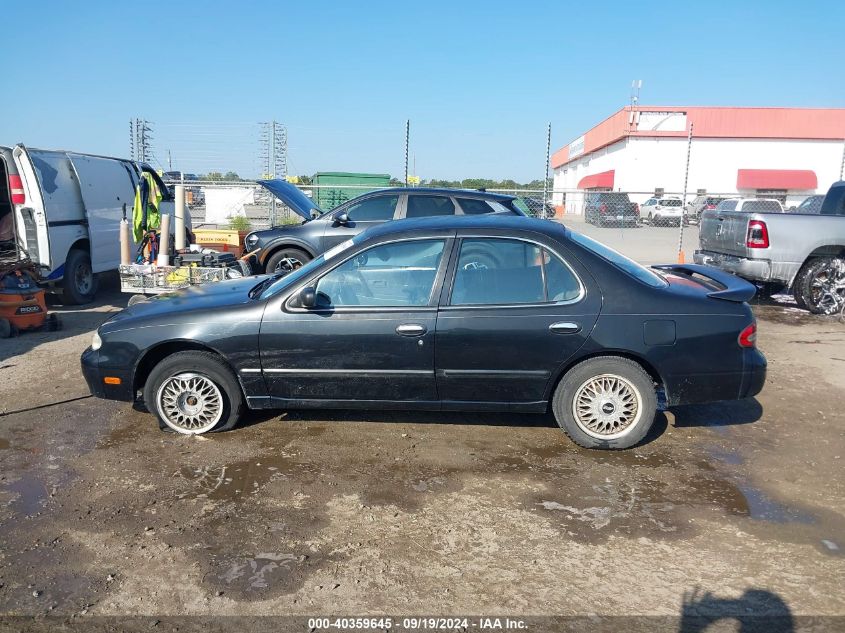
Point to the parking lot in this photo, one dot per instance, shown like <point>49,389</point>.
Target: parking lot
<point>732,508</point>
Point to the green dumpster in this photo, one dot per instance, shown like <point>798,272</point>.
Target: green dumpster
<point>336,187</point>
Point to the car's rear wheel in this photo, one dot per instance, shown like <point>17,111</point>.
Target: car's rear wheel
<point>294,257</point>
<point>193,392</point>
<point>820,285</point>
<point>605,402</point>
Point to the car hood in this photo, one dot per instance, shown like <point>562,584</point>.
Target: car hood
<point>292,197</point>
<point>203,298</point>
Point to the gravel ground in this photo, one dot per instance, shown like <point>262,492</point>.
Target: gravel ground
<point>727,509</point>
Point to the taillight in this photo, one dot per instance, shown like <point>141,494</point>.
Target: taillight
<point>603,208</point>
<point>709,206</point>
<point>748,337</point>
<point>637,208</point>
<point>758,235</point>
<point>16,187</point>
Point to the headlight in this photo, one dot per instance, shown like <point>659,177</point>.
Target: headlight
<point>250,241</point>
<point>96,342</point>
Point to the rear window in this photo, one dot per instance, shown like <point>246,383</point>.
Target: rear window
<point>474,206</point>
<point>756,206</point>
<point>727,205</point>
<point>671,203</point>
<point>620,261</point>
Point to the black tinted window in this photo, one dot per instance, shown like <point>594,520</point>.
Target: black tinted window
<point>502,271</point>
<point>427,206</point>
<point>753,206</point>
<point>378,208</point>
<point>473,206</point>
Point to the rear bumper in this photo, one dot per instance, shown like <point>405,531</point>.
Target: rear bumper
<point>754,269</point>
<point>715,386</point>
<point>95,378</point>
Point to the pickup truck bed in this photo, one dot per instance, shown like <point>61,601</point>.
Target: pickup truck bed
<point>802,252</point>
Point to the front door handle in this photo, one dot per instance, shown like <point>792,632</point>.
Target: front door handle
<point>411,329</point>
<point>564,327</point>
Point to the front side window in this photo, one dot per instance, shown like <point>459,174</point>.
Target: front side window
<point>399,274</point>
<point>493,271</point>
<point>373,209</point>
<point>427,206</point>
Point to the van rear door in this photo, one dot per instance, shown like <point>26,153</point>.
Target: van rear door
<point>106,185</point>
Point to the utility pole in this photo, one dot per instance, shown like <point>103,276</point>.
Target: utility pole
<point>546,172</point>
<point>140,140</point>
<point>684,202</point>
<point>274,150</point>
<point>842,165</point>
<point>169,161</point>
<point>407,141</point>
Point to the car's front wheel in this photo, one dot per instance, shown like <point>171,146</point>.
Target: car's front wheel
<point>193,392</point>
<point>286,259</point>
<point>605,402</point>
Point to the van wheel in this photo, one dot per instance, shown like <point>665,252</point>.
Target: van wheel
<point>192,393</point>
<point>606,402</point>
<point>80,283</point>
<point>295,254</point>
<point>820,286</point>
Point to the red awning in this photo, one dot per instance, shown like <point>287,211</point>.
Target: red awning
<point>604,180</point>
<point>776,179</point>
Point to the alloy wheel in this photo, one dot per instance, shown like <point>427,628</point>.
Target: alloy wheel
<point>190,403</point>
<point>607,406</point>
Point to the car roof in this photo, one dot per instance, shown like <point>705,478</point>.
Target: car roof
<point>461,222</point>
<point>447,192</point>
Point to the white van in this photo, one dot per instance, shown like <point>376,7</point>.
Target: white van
<point>68,207</point>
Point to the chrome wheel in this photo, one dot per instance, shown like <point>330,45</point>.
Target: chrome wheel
<point>827,287</point>
<point>607,406</point>
<point>190,403</point>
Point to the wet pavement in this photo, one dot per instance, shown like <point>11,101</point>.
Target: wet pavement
<point>372,512</point>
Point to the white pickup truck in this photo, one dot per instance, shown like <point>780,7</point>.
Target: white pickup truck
<point>67,209</point>
<point>802,251</point>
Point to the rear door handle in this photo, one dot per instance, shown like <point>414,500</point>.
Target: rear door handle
<point>411,329</point>
<point>564,327</point>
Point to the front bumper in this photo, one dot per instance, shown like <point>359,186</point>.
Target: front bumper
<point>95,378</point>
<point>754,269</point>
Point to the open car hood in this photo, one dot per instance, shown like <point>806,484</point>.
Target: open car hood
<point>292,197</point>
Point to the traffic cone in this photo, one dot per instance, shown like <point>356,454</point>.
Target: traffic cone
<point>681,257</point>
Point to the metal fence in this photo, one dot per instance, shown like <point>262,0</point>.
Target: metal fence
<point>222,204</point>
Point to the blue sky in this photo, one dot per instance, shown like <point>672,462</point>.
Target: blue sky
<point>478,80</point>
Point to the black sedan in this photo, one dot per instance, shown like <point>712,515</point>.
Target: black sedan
<point>290,246</point>
<point>486,313</point>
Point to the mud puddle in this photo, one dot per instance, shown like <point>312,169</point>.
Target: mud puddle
<point>238,480</point>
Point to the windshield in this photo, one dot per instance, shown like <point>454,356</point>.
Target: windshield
<point>300,273</point>
<point>620,261</point>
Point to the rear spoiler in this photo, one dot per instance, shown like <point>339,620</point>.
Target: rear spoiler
<point>736,289</point>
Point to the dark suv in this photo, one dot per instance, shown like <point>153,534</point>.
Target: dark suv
<point>321,230</point>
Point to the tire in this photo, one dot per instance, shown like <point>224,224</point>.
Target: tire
<point>198,374</point>
<point>637,389</point>
<point>278,256</point>
<point>812,274</point>
<point>658,221</point>
<point>80,283</point>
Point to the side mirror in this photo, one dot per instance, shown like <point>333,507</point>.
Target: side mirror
<point>342,218</point>
<point>308,297</point>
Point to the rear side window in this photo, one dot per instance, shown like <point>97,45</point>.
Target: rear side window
<point>620,261</point>
<point>495,271</point>
<point>428,206</point>
<point>373,209</point>
<point>755,206</point>
<point>474,206</point>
